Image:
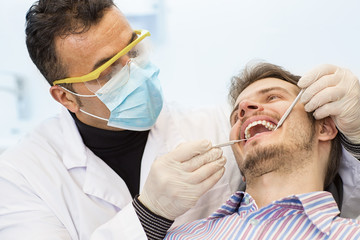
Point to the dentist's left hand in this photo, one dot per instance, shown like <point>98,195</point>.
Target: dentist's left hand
<point>178,179</point>
<point>334,91</point>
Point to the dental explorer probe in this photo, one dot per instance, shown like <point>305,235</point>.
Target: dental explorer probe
<point>289,109</point>
<point>228,143</point>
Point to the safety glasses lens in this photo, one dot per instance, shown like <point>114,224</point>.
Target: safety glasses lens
<point>139,55</point>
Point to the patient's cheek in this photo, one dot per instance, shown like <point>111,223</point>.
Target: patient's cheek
<point>235,131</point>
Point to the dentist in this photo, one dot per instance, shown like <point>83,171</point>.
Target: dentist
<point>77,175</point>
<point>93,171</point>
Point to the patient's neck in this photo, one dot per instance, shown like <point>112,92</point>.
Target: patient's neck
<point>276,185</point>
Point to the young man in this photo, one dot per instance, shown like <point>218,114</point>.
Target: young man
<point>286,170</point>
<point>76,175</point>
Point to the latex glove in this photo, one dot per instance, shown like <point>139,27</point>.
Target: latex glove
<point>333,91</point>
<point>178,179</point>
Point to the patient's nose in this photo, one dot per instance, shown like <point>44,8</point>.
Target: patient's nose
<point>248,107</point>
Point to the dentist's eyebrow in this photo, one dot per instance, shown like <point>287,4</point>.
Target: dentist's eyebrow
<point>102,61</point>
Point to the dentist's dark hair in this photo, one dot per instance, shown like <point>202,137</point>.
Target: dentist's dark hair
<point>260,70</point>
<point>48,19</point>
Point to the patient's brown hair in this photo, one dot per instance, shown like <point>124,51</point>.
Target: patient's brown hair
<point>258,71</point>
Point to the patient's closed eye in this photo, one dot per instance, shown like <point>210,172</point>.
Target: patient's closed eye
<point>273,97</point>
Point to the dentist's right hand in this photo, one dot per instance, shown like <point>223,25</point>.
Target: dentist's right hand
<point>178,179</point>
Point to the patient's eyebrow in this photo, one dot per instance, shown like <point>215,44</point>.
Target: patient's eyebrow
<point>266,90</point>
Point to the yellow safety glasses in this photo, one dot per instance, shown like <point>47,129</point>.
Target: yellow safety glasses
<point>96,73</point>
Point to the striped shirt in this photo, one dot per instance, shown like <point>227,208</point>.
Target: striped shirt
<point>306,216</point>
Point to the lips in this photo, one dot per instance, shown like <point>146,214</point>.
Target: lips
<point>256,125</point>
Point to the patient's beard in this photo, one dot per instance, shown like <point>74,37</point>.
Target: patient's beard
<point>268,159</point>
<point>280,157</point>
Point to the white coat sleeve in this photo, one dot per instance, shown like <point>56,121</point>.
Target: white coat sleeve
<point>24,215</point>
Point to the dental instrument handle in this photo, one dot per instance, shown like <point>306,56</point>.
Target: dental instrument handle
<point>228,143</point>
<point>286,114</point>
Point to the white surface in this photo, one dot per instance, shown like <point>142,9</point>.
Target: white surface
<point>8,101</point>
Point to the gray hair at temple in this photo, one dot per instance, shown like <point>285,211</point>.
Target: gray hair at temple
<point>48,19</point>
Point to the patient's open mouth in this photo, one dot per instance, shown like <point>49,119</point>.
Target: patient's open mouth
<point>257,127</point>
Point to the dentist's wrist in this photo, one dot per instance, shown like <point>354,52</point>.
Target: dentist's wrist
<point>155,226</point>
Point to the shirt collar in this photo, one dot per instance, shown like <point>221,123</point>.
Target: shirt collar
<point>231,206</point>
<point>320,207</point>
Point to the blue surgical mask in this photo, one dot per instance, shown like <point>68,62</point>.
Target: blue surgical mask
<point>135,104</point>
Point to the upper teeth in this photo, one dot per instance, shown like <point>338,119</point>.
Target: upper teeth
<point>266,124</point>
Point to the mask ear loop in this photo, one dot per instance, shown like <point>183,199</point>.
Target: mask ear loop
<point>76,94</point>
<point>92,115</point>
<point>80,95</point>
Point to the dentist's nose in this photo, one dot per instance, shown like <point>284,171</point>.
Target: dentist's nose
<point>247,108</point>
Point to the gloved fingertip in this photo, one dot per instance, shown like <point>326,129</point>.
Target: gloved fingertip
<point>219,151</point>
<point>309,108</point>
<point>301,84</point>
<point>320,115</point>
<point>205,144</point>
<point>304,81</point>
<point>215,154</point>
<point>303,100</point>
<point>222,171</point>
<point>306,96</point>
<point>315,116</point>
<point>221,161</point>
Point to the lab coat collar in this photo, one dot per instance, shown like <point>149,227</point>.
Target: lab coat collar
<point>100,180</point>
<point>105,183</point>
<point>74,150</point>
<point>164,136</point>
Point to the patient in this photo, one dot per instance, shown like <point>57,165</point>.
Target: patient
<point>286,171</point>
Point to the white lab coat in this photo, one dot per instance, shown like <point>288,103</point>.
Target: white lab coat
<point>53,187</point>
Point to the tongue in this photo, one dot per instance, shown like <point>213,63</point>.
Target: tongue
<point>258,129</point>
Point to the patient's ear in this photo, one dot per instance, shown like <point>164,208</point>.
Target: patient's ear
<point>65,98</point>
<point>327,129</point>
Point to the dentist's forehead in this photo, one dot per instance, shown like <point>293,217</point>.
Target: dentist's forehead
<point>265,85</point>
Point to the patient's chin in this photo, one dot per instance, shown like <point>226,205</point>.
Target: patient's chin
<point>262,160</point>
